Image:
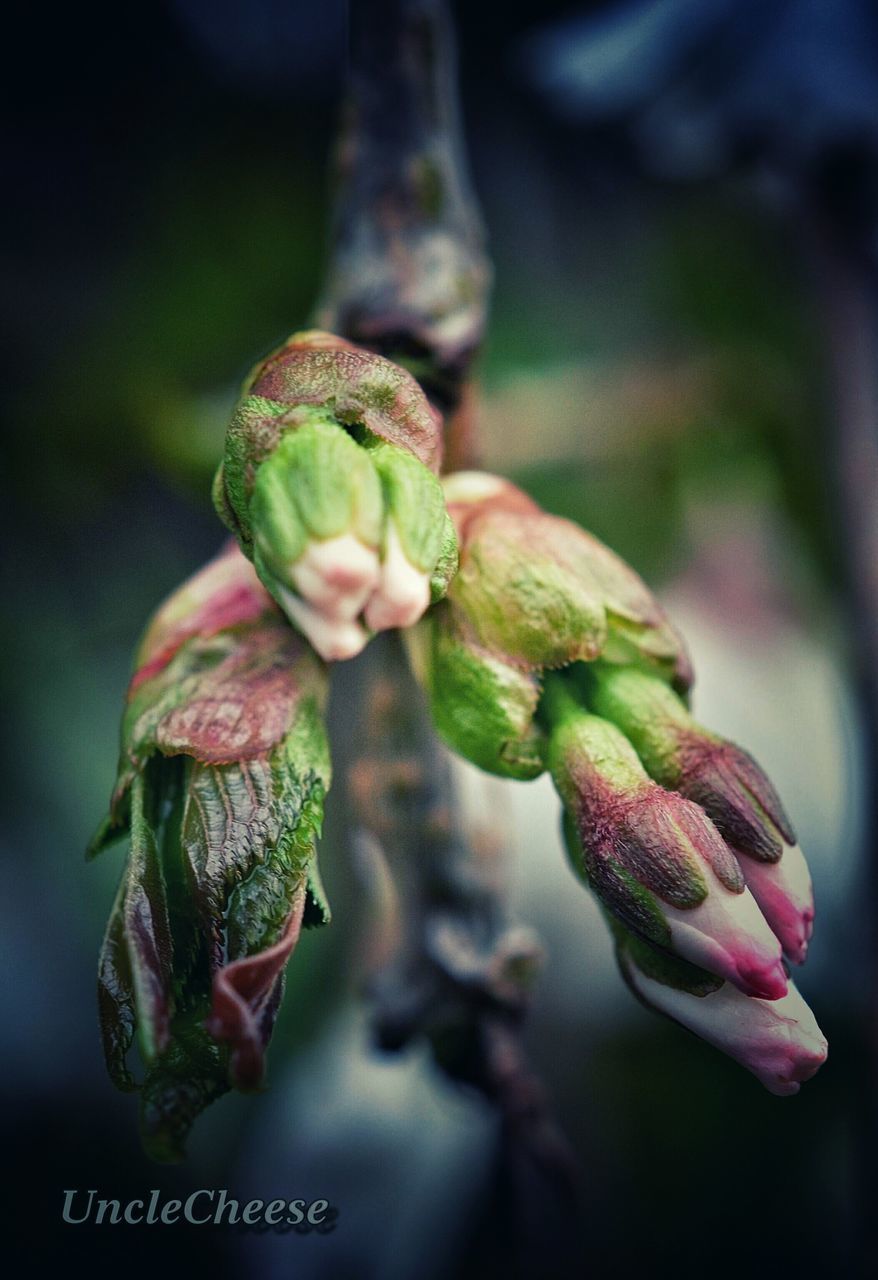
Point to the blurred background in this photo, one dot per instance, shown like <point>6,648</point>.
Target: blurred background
<point>680,200</point>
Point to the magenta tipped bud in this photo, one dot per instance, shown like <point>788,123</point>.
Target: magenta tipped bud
<point>779,1041</point>
<point>725,781</point>
<point>654,858</point>
<point>783,891</point>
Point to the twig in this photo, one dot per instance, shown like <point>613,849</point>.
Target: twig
<point>409,275</point>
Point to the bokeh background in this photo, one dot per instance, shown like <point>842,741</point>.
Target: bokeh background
<point>658,367</point>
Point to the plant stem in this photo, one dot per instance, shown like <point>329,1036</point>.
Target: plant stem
<point>409,276</point>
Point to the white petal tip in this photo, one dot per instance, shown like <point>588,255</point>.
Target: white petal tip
<point>334,641</point>
<point>403,592</point>
<point>336,576</point>
<point>783,891</point>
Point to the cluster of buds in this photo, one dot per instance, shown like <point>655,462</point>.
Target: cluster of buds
<point>543,650</point>
<point>223,770</point>
<point>550,653</point>
<point>329,483</point>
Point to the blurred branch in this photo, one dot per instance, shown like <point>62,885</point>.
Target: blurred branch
<point>409,275</point>
<point>409,278</point>
<point>447,964</point>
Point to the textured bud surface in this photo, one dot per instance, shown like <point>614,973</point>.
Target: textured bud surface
<point>533,593</point>
<point>725,781</point>
<point>654,858</point>
<point>483,707</point>
<point>540,591</point>
<point>223,770</point>
<point>327,482</point>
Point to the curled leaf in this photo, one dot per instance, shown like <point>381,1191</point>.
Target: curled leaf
<point>223,771</point>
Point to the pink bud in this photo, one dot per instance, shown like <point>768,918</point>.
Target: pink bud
<point>778,1040</point>
<point>783,891</point>
<point>728,935</point>
<point>654,858</point>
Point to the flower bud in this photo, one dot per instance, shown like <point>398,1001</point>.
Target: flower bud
<point>328,483</point>
<point>421,545</point>
<point>655,859</point>
<point>483,707</point>
<point>317,518</point>
<point>540,592</point>
<point>222,774</point>
<point>532,592</point>
<point>724,780</point>
<point>778,1040</point>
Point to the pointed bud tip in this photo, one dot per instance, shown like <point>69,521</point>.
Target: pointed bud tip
<point>783,891</point>
<point>403,592</point>
<point>804,1060</point>
<point>762,981</point>
<point>728,935</point>
<point>335,641</point>
<point>797,938</point>
<point>778,1040</point>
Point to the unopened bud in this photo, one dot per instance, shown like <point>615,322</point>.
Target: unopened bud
<point>327,481</point>
<point>420,545</point>
<point>654,858</point>
<point>539,591</point>
<point>724,780</point>
<point>778,1040</point>
<point>483,707</point>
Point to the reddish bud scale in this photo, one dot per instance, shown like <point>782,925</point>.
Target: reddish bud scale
<point>243,706</point>
<point>506,498</point>
<point>729,785</point>
<point>316,368</point>
<point>655,835</point>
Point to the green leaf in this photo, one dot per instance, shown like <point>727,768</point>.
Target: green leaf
<point>190,1075</point>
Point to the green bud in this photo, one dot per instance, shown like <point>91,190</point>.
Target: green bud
<point>414,501</point>
<point>327,481</point>
<point>483,707</point>
<point>447,562</point>
<point>524,594</point>
<point>318,484</point>
<point>541,592</point>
